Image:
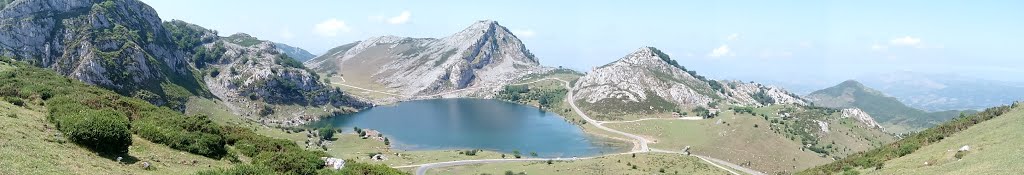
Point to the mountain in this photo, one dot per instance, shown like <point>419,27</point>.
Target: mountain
<point>938,92</point>
<point>647,81</point>
<point>479,59</point>
<point>297,53</point>
<point>118,45</point>
<point>888,111</point>
<point>124,46</point>
<point>249,73</point>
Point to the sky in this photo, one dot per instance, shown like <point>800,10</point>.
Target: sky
<point>783,42</point>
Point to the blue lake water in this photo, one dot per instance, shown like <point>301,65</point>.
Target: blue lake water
<point>475,124</point>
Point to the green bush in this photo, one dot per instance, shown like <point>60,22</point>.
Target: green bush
<point>359,168</point>
<point>100,130</point>
<point>15,101</point>
<point>326,133</point>
<point>243,169</point>
<point>195,134</point>
<point>291,162</point>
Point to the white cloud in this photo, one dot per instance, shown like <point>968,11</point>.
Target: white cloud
<point>905,41</point>
<point>721,51</point>
<point>879,47</point>
<point>525,33</point>
<point>331,27</point>
<point>287,34</point>
<point>733,37</point>
<point>401,18</point>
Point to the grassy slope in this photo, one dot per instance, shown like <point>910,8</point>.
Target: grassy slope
<point>995,149</point>
<point>28,145</point>
<point>647,163</point>
<point>739,142</point>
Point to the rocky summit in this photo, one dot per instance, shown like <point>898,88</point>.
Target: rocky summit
<point>651,81</point>
<point>474,62</point>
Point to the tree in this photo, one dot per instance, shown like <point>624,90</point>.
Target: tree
<point>386,141</point>
<point>533,154</point>
<point>326,133</point>
<point>516,154</point>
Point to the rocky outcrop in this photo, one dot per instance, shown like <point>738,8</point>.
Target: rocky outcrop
<point>251,69</point>
<point>123,45</point>
<point>861,116</point>
<point>119,45</point>
<point>648,78</point>
<point>478,60</point>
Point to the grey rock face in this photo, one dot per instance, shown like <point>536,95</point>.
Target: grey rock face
<point>480,58</point>
<point>119,45</point>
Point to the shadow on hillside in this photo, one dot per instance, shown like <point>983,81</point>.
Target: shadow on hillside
<point>125,158</point>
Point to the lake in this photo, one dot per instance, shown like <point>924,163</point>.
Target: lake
<point>440,124</point>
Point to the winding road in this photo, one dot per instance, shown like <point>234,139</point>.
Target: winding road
<point>640,144</point>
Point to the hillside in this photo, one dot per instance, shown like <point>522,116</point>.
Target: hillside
<point>647,82</point>
<point>118,45</point>
<point>53,124</point>
<point>774,139</point>
<point>297,53</point>
<point>249,73</point>
<point>994,149</point>
<point>887,111</point>
<point>992,135</point>
<point>940,92</point>
<point>479,59</point>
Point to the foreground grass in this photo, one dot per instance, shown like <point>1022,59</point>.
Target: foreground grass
<point>646,163</point>
<point>30,145</point>
<point>995,149</point>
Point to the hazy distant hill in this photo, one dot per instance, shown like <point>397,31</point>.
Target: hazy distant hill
<point>937,92</point>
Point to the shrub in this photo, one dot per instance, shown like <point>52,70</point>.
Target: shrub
<point>291,162</point>
<point>195,134</point>
<point>100,130</point>
<point>15,101</point>
<point>326,133</point>
<point>353,168</point>
<point>243,169</point>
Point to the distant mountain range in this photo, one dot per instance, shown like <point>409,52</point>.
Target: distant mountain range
<point>888,111</point>
<point>938,92</point>
<point>296,53</point>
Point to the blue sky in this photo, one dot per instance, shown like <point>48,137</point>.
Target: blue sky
<point>821,42</point>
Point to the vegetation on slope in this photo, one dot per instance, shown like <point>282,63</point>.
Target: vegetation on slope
<point>104,122</point>
<point>887,110</point>
<point>877,157</point>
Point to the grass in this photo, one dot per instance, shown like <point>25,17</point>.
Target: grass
<point>646,163</point>
<point>737,140</point>
<point>995,149</point>
<point>28,145</point>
